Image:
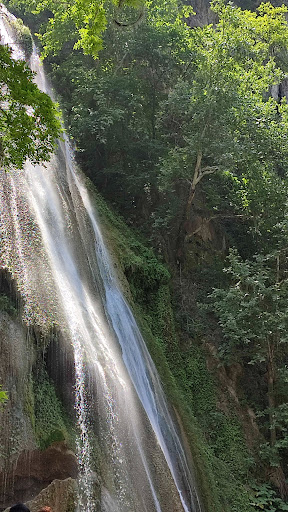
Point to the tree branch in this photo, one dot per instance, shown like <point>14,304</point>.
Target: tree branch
<point>230,216</point>
<point>206,170</point>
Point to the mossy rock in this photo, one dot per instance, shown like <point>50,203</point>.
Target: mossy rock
<point>23,35</point>
<point>7,305</point>
<point>51,423</point>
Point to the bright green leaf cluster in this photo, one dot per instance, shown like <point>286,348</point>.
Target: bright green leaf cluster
<point>29,121</point>
<point>220,111</point>
<point>80,21</point>
<point>3,396</point>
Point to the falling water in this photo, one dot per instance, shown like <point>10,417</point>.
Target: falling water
<point>52,244</point>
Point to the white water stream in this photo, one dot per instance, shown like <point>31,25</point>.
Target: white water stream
<point>52,244</point>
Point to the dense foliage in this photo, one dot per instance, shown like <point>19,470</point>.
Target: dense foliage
<point>254,317</point>
<point>165,107</point>
<point>82,21</point>
<point>227,124</point>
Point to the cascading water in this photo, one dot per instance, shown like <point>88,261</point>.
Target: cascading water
<point>52,244</point>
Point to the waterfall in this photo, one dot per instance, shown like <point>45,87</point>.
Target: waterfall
<point>52,244</point>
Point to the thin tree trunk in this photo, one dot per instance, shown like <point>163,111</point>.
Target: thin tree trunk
<point>271,395</point>
<point>199,173</point>
<point>277,477</point>
<point>187,210</point>
<point>193,184</point>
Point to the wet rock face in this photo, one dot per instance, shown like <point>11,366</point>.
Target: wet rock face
<point>59,360</point>
<point>16,431</point>
<point>60,496</point>
<point>24,469</point>
<point>33,471</point>
<point>57,462</point>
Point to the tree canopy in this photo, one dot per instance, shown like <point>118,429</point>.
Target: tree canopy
<point>29,121</point>
<point>228,123</point>
<point>83,21</point>
<point>166,106</point>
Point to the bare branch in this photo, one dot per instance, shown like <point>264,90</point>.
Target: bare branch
<point>204,171</point>
<point>209,169</point>
<point>230,216</point>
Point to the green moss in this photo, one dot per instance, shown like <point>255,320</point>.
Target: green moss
<point>196,383</point>
<point>6,304</point>
<point>3,397</point>
<point>23,35</point>
<point>96,453</point>
<point>222,459</point>
<point>221,491</point>
<point>51,424</point>
<point>235,497</point>
<point>137,261</point>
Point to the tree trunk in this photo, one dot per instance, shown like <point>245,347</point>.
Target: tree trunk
<point>271,395</point>
<point>187,211</point>
<point>277,478</point>
<point>192,189</point>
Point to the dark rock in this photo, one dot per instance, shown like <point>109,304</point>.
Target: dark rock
<point>34,470</point>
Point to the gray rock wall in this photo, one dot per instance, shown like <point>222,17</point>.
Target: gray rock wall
<point>25,470</point>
